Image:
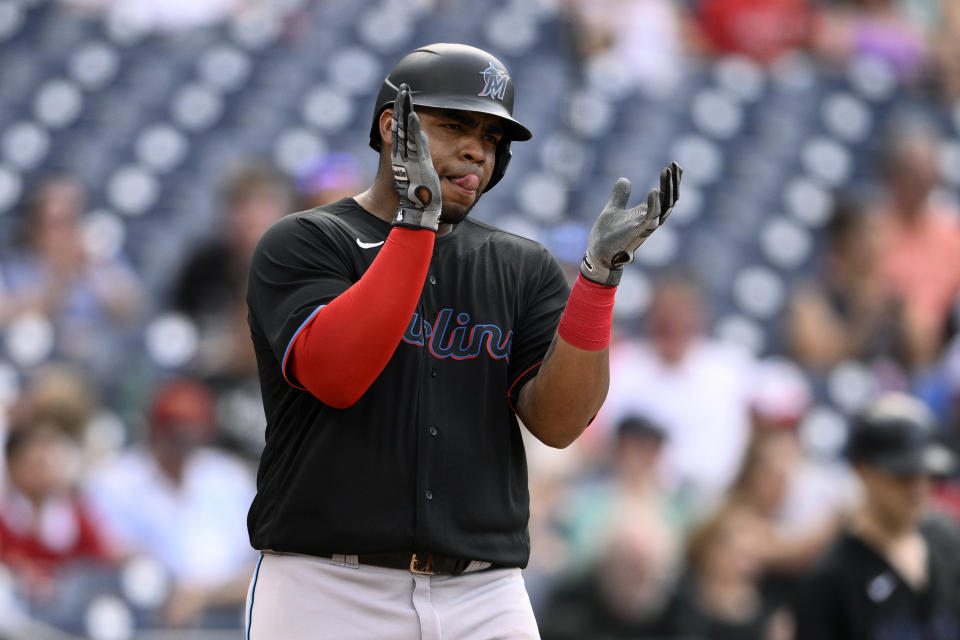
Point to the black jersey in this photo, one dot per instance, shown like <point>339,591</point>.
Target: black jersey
<point>431,457</point>
<point>854,594</point>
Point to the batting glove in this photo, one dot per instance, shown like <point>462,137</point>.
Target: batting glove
<point>414,177</point>
<point>619,231</point>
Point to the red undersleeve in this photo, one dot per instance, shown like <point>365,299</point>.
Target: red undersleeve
<point>342,350</point>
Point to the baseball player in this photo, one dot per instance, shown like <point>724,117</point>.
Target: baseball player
<point>398,342</point>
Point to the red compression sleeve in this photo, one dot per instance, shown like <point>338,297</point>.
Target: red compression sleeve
<point>344,347</point>
<point>588,316</point>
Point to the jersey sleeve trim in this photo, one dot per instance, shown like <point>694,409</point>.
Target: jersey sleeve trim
<point>286,353</point>
<point>523,377</point>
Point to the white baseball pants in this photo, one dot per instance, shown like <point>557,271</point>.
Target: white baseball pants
<point>298,597</point>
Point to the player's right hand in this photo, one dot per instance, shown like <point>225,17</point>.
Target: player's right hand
<point>619,231</point>
<point>414,177</point>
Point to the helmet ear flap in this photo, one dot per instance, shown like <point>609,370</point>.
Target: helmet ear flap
<point>502,159</point>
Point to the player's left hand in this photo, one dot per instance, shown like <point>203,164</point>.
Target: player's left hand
<point>618,231</point>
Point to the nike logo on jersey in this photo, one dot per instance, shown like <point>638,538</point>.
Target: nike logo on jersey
<point>368,245</point>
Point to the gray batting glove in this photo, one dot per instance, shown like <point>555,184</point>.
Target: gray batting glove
<point>414,177</point>
<point>619,231</point>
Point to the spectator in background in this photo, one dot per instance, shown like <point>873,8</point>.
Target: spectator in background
<point>90,300</point>
<point>626,593</point>
<point>210,289</point>
<point>797,503</point>
<point>213,279</point>
<point>764,30</point>
<point>172,16</point>
<point>62,395</point>
<point>951,376</point>
<point>762,487</point>
<point>945,401</point>
<point>702,398</point>
<point>946,41</point>
<point>643,38</point>
<point>624,542</point>
<point>919,240</point>
<point>45,529</point>
<point>800,497</point>
<point>878,29</point>
<point>632,481</point>
<point>849,311</point>
<point>182,503</point>
<point>553,474</point>
<point>720,597</point>
<point>892,574</point>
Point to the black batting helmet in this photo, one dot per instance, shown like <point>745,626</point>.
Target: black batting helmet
<point>455,76</point>
<point>897,434</point>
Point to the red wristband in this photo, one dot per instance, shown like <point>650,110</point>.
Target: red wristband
<point>588,317</point>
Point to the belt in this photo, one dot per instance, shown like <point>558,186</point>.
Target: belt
<point>425,563</point>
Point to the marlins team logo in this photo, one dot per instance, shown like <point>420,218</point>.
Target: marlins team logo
<point>494,82</point>
<point>452,336</point>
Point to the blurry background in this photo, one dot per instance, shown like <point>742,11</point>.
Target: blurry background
<point>812,261</point>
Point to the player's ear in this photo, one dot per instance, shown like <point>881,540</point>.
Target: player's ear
<point>385,123</point>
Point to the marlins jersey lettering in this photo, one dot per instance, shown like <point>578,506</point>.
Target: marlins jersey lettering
<point>431,456</point>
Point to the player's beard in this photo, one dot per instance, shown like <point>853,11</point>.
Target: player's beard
<point>457,213</point>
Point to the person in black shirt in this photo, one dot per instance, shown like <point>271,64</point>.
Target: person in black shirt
<point>210,290</point>
<point>213,279</point>
<point>894,574</point>
<point>398,342</point>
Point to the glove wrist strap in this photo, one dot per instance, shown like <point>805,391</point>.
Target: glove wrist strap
<point>592,270</point>
<point>410,218</point>
<point>588,317</point>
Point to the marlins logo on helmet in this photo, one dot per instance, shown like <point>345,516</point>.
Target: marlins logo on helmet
<point>494,82</point>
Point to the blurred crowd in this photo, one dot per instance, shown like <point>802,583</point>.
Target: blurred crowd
<point>651,38</point>
<point>693,506</point>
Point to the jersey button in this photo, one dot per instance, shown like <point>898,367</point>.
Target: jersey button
<point>429,494</point>
<point>433,279</point>
<point>433,373</point>
<point>433,430</point>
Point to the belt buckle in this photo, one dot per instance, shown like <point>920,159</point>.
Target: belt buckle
<point>422,565</point>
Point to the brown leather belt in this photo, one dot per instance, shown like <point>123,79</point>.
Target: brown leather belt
<point>425,563</point>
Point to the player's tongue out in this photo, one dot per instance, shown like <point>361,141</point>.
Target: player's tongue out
<point>470,182</point>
